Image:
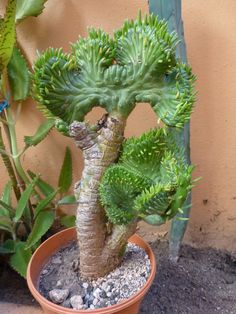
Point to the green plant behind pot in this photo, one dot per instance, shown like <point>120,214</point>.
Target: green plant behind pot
<point>22,226</point>
<point>122,181</point>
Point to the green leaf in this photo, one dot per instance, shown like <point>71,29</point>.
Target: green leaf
<point>5,223</point>
<point>25,196</point>
<point>20,259</point>
<point>42,224</point>
<point>8,34</point>
<point>44,203</point>
<point>67,200</point>
<point>8,247</point>
<point>27,8</point>
<point>40,134</point>
<point>43,186</point>
<point>65,178</point>
<point>68,221</point>
<point>18,74</point>
<point>155,220</point>
<point>6,198</point>
<point>6,195</point>
<point>7,207</point>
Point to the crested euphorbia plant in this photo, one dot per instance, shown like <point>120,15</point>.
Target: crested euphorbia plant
<point>123,180</point>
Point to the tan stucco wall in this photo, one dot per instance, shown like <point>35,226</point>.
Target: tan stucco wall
<point>211,43</point>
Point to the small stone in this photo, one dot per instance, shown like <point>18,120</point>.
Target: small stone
<point>89,289</point>
<point>59,284</point>
<point>76,289</point>
<point>58,295</point>
<point>108,289</point>
<point>92,307</point>
<point>77,302</point>
<point>99,281</point>
<point>56,260</point>
<point>96,292</point>
<point>103,294</point>
<point>102,303</point>
<point>109,294</point>
<point>89,298</point>
<point>66,303</point>
<point>95,301</point>
<point>117,272</point>
<point>85,285</point>
<point>104,285</point>
<point>75,265</point>
<point>44,272</point>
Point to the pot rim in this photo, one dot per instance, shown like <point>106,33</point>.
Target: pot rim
<point>119,306</point>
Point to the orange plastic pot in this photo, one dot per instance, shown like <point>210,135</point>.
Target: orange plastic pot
<point>52,245</point>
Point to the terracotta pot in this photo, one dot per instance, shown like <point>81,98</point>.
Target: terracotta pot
<point>52,245</point>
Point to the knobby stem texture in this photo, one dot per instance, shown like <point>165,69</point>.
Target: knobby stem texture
<point>99,250</point>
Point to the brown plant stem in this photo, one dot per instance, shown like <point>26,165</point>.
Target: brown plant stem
<point>99,252</point>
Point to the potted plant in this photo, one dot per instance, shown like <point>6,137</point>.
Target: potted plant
<point>123,180</point>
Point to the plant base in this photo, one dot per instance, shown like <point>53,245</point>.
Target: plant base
<point>52,245</point>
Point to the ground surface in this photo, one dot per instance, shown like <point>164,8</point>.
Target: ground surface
<point>203,282</point>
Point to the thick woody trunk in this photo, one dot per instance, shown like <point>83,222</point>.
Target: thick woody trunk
<point>99,251</point>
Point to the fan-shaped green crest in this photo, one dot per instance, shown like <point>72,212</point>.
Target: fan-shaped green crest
<point>137,65</point>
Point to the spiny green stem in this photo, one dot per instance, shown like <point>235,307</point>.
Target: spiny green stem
<point>14,148</point>
<point>21,152</point>
<point>3,121</point>
<point>6,128</point>
<point>22,177</point>
<point>9,167</point>
<point>11,135</point>
<point>18,111</point>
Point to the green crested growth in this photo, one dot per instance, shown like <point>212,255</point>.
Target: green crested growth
<point>100,54</point>
<point>151,180</point>
<point>147,45</point>
<point>137,65</point>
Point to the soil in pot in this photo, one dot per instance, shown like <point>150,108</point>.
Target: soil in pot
<point>203,281</point>
<point>60,280</point>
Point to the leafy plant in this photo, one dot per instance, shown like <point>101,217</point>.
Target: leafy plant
<point>37,203</point>
<point>122,181</point>
<point>24,226</point>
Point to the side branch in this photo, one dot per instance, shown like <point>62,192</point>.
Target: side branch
<point>83,135</point>
<point>119,236</point>
<point>114,248</point>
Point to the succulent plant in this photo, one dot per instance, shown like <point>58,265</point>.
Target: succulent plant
<point>123,180</point>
